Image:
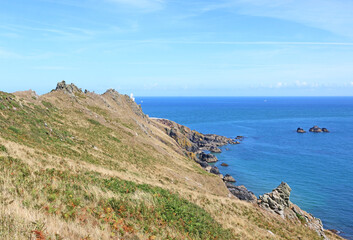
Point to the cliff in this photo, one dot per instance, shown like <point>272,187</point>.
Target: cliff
<point>79,165</point>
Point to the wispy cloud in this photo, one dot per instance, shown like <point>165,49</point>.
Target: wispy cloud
<point>334,16</point>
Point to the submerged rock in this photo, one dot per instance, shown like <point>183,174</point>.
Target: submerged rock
<point>224,165</point>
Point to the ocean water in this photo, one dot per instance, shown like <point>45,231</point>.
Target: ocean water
<point>317,166</point>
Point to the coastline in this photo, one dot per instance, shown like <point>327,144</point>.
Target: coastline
<point>276,202</point>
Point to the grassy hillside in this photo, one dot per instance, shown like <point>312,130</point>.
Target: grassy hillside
<point>77,165</point>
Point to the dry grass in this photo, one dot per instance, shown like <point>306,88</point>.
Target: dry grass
<point>66,148</point>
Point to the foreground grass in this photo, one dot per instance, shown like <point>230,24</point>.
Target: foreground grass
<point>123,208</point>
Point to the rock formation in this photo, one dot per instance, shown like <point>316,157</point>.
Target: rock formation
<point>300,130</point>
<point>315,129</point>
<point>325,130</point>
<point>241,192</point>
<point>207,157</point>
<point>70,89</point>
<point>278,202</point>
<point>215,149</point>
<point>228,178</point>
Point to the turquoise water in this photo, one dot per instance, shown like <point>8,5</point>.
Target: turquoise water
<point>317,166</point>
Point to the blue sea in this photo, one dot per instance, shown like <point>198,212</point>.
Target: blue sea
<point>317,166</point>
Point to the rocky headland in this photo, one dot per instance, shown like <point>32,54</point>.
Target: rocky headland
<point>277,202</point>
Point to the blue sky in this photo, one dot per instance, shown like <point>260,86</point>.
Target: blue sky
<point>179,47</point>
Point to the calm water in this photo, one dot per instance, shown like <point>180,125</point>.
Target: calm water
<point>317,166</point>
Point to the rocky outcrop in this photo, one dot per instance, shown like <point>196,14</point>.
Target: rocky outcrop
<point>241,192</point>
<point>315,129</point>
<point>207,157</point>
<point>70,89</point>
<point>215,149</point>
<point>278,202</point>
<point>228,178</point>
<point>300,130</point>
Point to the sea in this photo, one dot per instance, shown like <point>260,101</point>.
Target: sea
<point>317,166</point>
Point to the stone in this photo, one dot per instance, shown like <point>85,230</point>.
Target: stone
<point>215,149</point>
<point>228,178</point>
<point>315,129</point>
<point>224,165</point>
<point>242,193</point>
<point>207,157</point>
<point>67,88</point>
<point>325,130</point>
<point>300,130</point>
<point>214,170</point>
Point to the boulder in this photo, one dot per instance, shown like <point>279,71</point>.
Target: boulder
<point>207,157</point>
<point>224,165</point>
<point>241,193</point>
<point>203,164</point>
<point>228,178</point>
<point>315,129</point>
<point>325,130</point>
<point>214,170</point>
<point>300,130</point>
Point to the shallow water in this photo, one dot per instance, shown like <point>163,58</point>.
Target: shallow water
<point>317,166</point>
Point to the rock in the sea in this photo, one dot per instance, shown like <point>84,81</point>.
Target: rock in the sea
<point>300,130</point>
<point>207,157</point>
<point>325,130</point>
<point>228,178</point>
<point>241,192</point>
<point>215,149</point>
<point>240,137</point>
<point>224,165</point>
<point>315,129</point>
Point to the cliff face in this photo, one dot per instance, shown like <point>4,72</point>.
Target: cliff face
<point>78,165</point>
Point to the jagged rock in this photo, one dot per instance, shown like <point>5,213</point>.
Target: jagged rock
<point>241,192</point>
<point>207,157</point>
<point>228,178</point>
<point>278,202</point>
<point>300,130</point>
<point>215,149</point>
<point>315,129</point>
<point>67,88</point>
<point>325,130</point>
<point>224,165</point>
<point>240,137</point>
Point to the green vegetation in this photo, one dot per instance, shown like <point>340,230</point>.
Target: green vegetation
<point>3,148</point>
<point>133,207</point>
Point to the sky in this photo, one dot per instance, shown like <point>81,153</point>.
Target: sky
<point>179,47</point>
